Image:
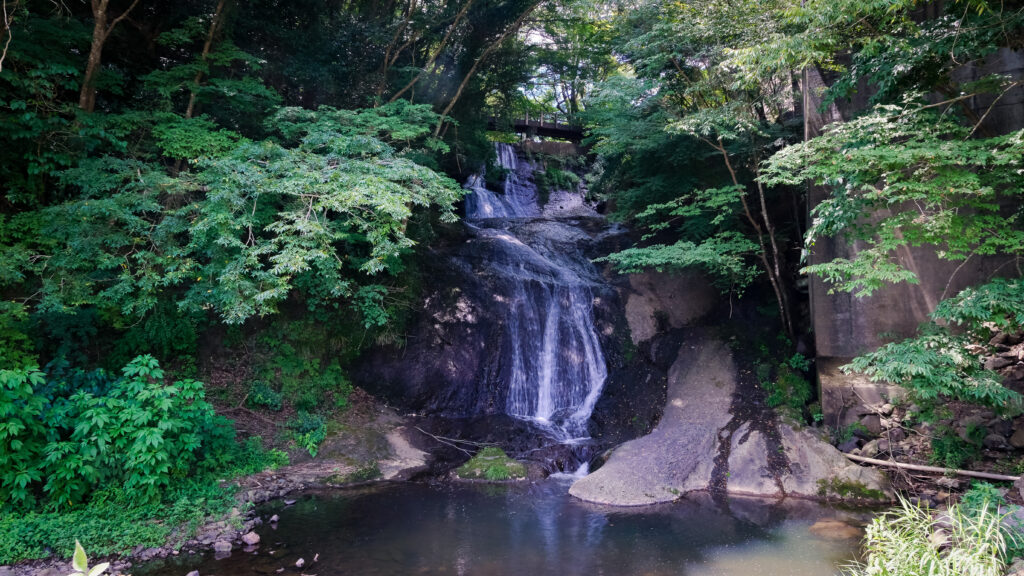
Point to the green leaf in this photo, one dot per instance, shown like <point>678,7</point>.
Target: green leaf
<point>79,561</point>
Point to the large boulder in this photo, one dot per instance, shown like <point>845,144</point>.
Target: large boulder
<point>710,440</point>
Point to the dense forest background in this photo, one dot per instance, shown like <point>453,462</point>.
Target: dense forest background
<point>193,189</point>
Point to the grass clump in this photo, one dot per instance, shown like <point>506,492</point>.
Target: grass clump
<point>909,540</point>
<point>491,463</point>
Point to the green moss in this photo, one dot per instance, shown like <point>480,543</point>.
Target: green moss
<point>491,463</point>
<point>848,490</point>
<point>366,473</point>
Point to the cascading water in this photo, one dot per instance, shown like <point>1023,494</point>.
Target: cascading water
<point>555,368</point>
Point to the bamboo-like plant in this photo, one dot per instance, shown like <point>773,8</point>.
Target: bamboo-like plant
<point>912,541</point>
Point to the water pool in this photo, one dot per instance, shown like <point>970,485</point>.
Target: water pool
<point>532,529</point>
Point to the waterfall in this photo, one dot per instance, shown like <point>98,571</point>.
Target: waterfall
<point>554,366</point>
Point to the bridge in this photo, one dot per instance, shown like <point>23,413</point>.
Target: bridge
<point>548,126</point>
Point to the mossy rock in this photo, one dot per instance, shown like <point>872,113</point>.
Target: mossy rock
<point>367,473</point>
<point>848,490</point>
<point>493,465</point>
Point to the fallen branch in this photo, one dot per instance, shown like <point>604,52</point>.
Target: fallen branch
<point>933,469</point>
<point>453,442</point>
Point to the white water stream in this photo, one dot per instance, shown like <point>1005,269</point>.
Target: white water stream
<point>556,368</point>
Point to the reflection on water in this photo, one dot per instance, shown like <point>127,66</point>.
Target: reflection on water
<point>527,530</point>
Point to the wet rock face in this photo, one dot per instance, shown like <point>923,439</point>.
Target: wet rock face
<point>517,321</point>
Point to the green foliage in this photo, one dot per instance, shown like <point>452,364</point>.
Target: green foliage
<point>999,303</point>
<point>15,345</point>
<point>308,431</point>
<point>938,365</point>
<point>848,432</point>
<point>950,451</point>
<point>900,542</point>
<point>555,179</point>
<point>367,473</point>
<point>193,138</point>
<point>938,186</point>
<point>65,438</point>
<point>298,360</point>
<point>724,257</point>
<point>262,395</point>
<point>981,495</point>
<point>789,390</point>
<point>114,521</point>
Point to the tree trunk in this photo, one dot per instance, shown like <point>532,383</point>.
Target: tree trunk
<point>215,24</point>
<point>9,14</point>
<point>100,32</point>
<point>770,260</point>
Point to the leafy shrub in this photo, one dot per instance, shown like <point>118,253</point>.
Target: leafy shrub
<point>308,431</point>
<point>789,391</point>
<point>937,365</point>
<point>64,440</point>
<point>261,395</point>
<point>295,352</point>
<point>554,179</point>
<point>980,496</point>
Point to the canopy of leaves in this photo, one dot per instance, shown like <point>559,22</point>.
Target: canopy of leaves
<point>921,171</point>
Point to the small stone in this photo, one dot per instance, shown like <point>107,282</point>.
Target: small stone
<point>873,423</point>
<point>193,573</point>
<point>997,362</point>
<point>949,483</point>
<point>1015,373</point>
<point>887,409</point>
<point>316,557</point>
<point>300,563</point>
<point>869,450</point>
<point>222,546</point>
<point>1000,426</point>
<point>897,435</point>
<point>848,446</point>
<point>1017,440</point>
<point>999,339</point>
<point>1019,486</point>
<point>6,571</point>
<point>251,539</point>
<point>274,519</point>
<point>1016,569</point>
<point>939,539</point>
<point>995,442</point>
<point>289,502</point>
<point>834,530</point>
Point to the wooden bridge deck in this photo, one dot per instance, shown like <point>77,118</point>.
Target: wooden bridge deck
<point>547,129</point>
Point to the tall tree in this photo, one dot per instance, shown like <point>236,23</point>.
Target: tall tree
<point>100,33</point>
